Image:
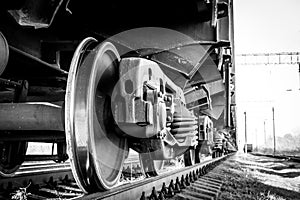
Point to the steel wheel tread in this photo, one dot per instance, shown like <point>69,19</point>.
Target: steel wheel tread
<point>96,151</point>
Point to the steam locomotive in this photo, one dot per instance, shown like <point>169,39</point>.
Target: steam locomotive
<point>97,78</point>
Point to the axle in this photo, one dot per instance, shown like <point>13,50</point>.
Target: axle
<point>31,116</point>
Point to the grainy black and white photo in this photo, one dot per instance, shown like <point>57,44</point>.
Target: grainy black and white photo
<point>150,100</point>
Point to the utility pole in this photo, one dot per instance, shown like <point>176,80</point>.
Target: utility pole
<point>256,142</point>
<point>274,131</point>
<point>265,135</point>
<point>245,131</point>
<point>299,74</point>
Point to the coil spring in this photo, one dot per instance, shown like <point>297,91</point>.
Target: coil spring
<point>183,126</point>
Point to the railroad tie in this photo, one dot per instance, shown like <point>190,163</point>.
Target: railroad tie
<point>205,187</point>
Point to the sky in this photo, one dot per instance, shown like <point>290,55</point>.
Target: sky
<point>263,26</point>
<point>267,26</point>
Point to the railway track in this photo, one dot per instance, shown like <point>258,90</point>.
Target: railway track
<point>33,177</point>
<point>183,183</point>
<point>286,157</point>
<point>47,175</point>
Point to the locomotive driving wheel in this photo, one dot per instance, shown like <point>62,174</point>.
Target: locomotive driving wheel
<point>95,149</point>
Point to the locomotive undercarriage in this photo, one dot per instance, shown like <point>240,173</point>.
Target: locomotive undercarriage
<point>95,98</point>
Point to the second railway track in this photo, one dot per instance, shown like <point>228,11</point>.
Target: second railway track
<point>286,157</point>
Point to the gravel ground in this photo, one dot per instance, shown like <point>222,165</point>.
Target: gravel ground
<point>254,177</point>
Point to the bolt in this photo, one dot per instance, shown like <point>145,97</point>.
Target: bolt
<point>154,194</point>
<point>177,180</point>
<point>191,177</point>
<point>194,176</point>
<point>172,185</point>
<point>177,186</point>
<point>171,191</point>
<point>182,183</point>
<point>169,118</point>
<point>143,197</point>
<point>164,189</point>
<point>161,196</point>
<point>202,171</point>
<point>187,180</point>
<point>159,94</point>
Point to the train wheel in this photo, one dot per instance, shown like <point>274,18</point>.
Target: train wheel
<point>95,149</point>
<point>149,166</point>
<point>189,157</point>
<point>12,156</point>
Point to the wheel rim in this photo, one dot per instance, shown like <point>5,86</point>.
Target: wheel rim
<point>149,166</point>
<point>12,156</point>
<point>96,151</point>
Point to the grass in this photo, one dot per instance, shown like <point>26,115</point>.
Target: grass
<point>240,184</point>
<point>294,152</point>
<point>20,194</point>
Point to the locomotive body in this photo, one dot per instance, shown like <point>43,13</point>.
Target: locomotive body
<point>155,79</point>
